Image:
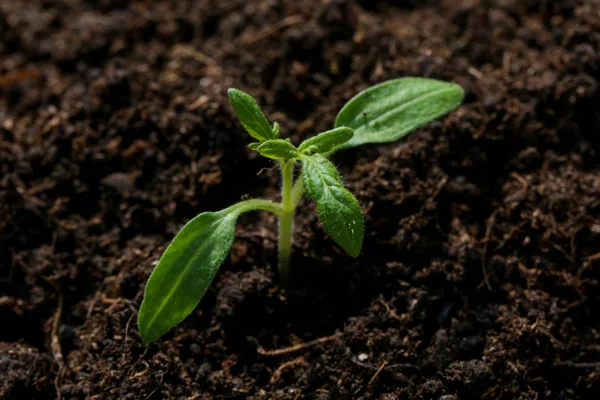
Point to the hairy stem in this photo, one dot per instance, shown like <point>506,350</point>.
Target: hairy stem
<point>286,220</point>
<point>297,191</point>
<point>256,204</point>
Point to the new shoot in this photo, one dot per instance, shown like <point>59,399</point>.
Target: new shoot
<point>383,113</point>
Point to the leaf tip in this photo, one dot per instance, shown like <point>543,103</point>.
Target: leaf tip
<point>459,90</point>
<point>235,95</point>
<point>354,253</point>
<point>456,93</point>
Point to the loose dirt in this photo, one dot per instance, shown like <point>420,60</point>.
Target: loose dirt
<point>479,273</point>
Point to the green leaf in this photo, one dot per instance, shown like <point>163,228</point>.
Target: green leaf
<point>254,145</point>
<point>324,142</point>
<point>278,149</point>
<point>390,110</point>
<point>250,115</point>
<point>184,272</point>
<point>276,130</point>
<point>338,209</point>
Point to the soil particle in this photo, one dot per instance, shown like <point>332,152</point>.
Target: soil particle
<point>470,378</point>
<point>24,371</point>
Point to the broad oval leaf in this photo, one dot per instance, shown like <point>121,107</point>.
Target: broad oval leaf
<point>325,141</point>
<point>338,209</point>
<point>185,272</point>
<point>390,110</point>
<point>250,115</point>
<point>278,149</point>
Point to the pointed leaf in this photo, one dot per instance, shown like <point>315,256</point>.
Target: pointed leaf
<point>250,115</point>
<point>390,110</point>
<point>184,272</point>
<point>338,209</point>
<point>254,145</point>
<point>324,142</point>
<point>278,149</point>
<point>276,130</point>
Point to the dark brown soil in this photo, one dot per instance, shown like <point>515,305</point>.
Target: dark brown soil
<point>480,268</point>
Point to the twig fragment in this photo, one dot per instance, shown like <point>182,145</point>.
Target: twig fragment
<point>582,364</point>
<point>277,374</point>
<point>381,367</point>
<point>187,51</point>
<point>488,231</point>
<point>292,349</point>
<point>159,383</point>
<point>18,76</point>
<point>269,30</point>
<point>55,347</point>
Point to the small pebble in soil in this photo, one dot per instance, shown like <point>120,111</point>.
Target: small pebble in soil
<point>195,349</point>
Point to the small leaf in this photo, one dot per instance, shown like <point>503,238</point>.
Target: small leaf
<point>250,115</point>
<point>390,110</point>
<point>338,209</point>
<point>276,130</point>
<point>184,272</point>
<point>254,145</point>
<point>326,141</point>
<point>278,149</point>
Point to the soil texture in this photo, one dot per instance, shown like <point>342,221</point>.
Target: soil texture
<point>479,273</point>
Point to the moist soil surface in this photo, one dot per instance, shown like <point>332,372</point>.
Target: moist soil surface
<point>479,274</point>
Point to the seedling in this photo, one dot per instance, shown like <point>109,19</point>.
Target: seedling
<point>380,114</point>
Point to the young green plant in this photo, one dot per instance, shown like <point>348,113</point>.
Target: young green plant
<point>380,114</point>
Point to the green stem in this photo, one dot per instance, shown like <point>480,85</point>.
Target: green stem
<point>291,193</point>
<point>286,220</point>
<point>297,191</point>
<point>256,204</point>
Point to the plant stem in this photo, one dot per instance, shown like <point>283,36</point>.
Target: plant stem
<point>297,191</point>
<point>256,204</point>
<point>291,193</point>
<point>286,220</point>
